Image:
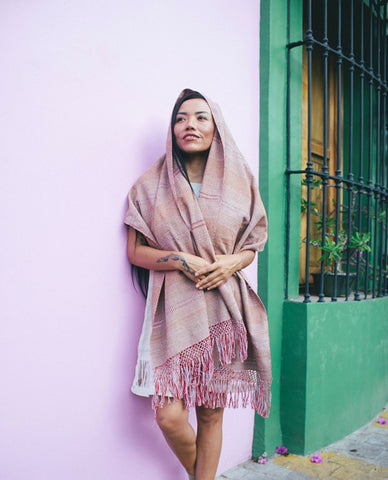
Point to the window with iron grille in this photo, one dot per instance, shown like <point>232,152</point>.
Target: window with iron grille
<point>343,168</point>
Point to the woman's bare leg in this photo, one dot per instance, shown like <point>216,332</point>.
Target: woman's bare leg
<point>201,453</point>
<point>209,442</point>
<point>173,420</point>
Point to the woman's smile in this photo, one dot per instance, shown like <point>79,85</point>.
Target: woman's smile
<point>194,126</point>
<point>190,136</point>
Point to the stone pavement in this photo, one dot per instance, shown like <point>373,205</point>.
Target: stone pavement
<point>362,455</point>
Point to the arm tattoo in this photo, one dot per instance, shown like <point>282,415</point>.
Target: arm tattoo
<point>176,258</point>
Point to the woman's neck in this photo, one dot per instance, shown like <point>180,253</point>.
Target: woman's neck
<point>195,167</point>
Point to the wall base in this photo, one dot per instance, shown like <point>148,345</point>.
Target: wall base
<point>334,370</point>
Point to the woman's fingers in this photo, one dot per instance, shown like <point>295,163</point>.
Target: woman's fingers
<point>217,273</point>
<point>205,270</point>
<point>210,285</point>
<point>214,279</point>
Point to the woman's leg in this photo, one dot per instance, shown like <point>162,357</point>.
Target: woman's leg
<point>173,420</point>
<point>209,441</point>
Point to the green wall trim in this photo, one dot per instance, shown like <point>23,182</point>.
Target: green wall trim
<point>272,187</point>
<point>273,157</point>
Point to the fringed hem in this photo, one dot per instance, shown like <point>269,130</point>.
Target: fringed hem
<point>183,373</point>
<point>231,341</point>
<point>258,398</point>
<point>191,376</point>
<point>239,394</point>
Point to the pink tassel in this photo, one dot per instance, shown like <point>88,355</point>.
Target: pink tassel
<point>231,341</point>
<point>190,376</point>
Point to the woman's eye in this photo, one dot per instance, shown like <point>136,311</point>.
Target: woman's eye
<point>179,119</point>
<point>202,117</point>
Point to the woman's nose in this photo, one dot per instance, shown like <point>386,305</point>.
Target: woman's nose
<point>190,123</point>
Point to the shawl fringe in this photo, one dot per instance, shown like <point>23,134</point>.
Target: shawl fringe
<point>231,341</point>
<point>180,376</point>
<point>241,394</point>
<point>191,376</point>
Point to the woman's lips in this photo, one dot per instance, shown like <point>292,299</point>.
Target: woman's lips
<point>190,136</point>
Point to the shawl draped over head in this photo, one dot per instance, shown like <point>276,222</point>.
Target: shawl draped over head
<point>208,348</point>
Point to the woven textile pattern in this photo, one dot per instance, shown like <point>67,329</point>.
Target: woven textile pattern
<point>208,348</point>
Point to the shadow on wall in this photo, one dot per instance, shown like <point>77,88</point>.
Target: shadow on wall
<point>135,418</point>
<point>140,434</point>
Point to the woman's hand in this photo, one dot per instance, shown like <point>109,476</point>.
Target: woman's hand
<point>191,264</point>
<point>142,255</point>
<point>217,273</point>
<point>207,276</point>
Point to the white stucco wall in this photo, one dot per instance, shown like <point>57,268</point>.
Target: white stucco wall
<point>87,89</point>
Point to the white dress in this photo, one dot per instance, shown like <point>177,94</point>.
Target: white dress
<point>143,383</point>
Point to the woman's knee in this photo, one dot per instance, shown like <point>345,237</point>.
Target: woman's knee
<point>209,416</point>
<point>171,416</point>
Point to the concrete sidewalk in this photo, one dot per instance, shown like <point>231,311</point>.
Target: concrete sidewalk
<point>361,455</point>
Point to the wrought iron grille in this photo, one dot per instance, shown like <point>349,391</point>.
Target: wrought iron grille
<point>344,168</point>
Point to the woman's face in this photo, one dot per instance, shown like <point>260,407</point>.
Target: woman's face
<point>194,126</point>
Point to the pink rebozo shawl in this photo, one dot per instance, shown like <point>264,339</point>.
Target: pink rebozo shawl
<point>208,348</point>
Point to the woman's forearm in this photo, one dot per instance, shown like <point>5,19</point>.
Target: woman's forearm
<point>142,255</point>
<point>243,259</point>
<point>154,259</point>
<point>196,268</point>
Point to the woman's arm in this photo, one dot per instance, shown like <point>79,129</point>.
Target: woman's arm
<point>217,273</point>
<point>142,255</point>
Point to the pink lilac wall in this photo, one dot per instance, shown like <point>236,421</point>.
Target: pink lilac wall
<point>87,88</point>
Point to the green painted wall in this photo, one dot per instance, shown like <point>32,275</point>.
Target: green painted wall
<point>272,187</point>
<point>273,153</point>
<point>334,370</point>
<point>330,360</point>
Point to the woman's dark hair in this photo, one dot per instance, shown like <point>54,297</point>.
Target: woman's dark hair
<point>142,275</point>
<point>187,94</point>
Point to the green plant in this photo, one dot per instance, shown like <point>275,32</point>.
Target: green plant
<point>335,252</point>
<point>341,240</point>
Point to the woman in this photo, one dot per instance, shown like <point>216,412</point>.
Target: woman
<point>195,221</point>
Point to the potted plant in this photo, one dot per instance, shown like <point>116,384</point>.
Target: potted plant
<point>334,253</point>
<point>346,247</point>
